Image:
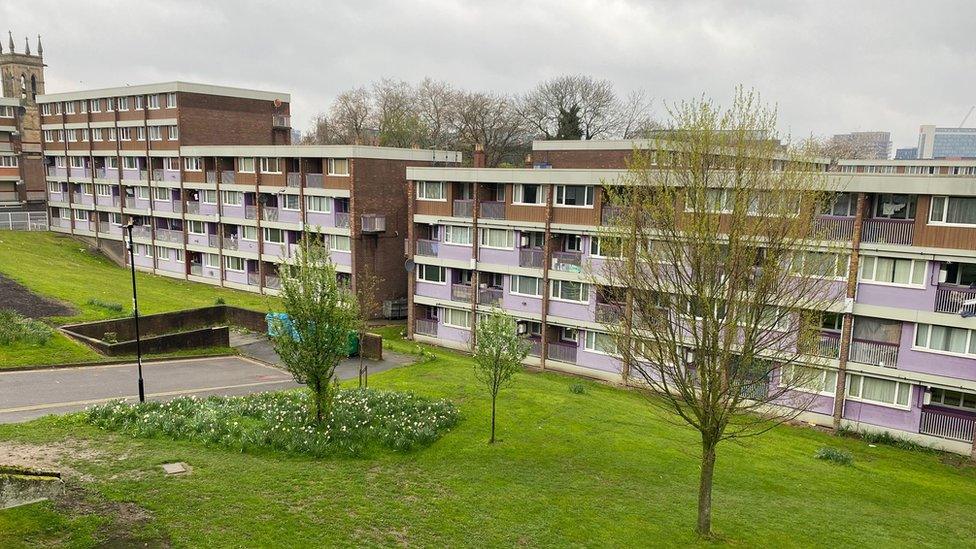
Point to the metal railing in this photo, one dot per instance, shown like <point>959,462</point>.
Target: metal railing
<point>535,347</point>
<point>563,352</point>
<point>833,227</point>
<point>427,248</point>
<point>609,214</point>
<point>828,345</point>
<point>314,181</point>
<point>250,212</point>
<point>461,292</point>
<point>272,281</point>
<point>196,269</point>
<point>157,175</point>
<point>463,208</point>
<point>944,425</point>
<point>889,231</point>
<point>192,207</point>
<point>211,176</point>
<point>269,213</point>
<point>281,121</point>
<point>169,235</point>
<point>489,296</point>
<point>23,221</point>
<point>293,179</point>
<point>567,261</point>
<point>253,279</point>
<point>609,313</point>
<point>949,298</point>
<point>213,240</point>
<point>492,209</point>
<point>228,177</point>
<point>141,231</point>
<point>374,223</point>
<point>342,219</point>
<point>425,326</point>
<point>531,257</point>
<point>877,353</point>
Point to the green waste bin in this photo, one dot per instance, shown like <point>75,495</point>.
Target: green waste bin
<point>353,346</point>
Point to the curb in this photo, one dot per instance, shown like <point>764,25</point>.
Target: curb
<point>129,360</point>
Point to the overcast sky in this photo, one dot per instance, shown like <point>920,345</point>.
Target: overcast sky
<point>829,66</point>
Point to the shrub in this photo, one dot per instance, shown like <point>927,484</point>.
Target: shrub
<point>110,337</point>
<point>15,328</point>
<point>361,419</point>
<point>220,301</point>
<point>107,305</point>
<point>577,388</point>
<point>835,455</point>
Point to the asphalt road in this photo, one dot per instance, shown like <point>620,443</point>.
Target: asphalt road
<point>26,395</point>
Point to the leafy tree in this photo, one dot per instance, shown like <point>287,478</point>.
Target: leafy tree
<point>498,354</point>
<point>569,124</point>
<point>321,313</point>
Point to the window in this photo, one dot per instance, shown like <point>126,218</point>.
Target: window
<point>895,206</point>
<point>290,202</point>
<point>95,105</point>
<point>142,192</point>
<point>84,134</point>
<point>877,390</point>
<point>431,190</point>
<point>49,136</point>
<point>97,134</point>
<point>208,196</point>
<point>457,318</point>
<point>598,342</point>
<point>231,198</point>
<point>249,232</point>
<point>528,194</point>
<point>46,109</point>
<point>109,104</point>
<point>809,379</point>
<point>526,285</point>
<point>570,291</point>
<point>140,133</point>
<point>152,101</point>
<point>155,133</point>
<point>72,136</point>
<point>138,102</point>
<point>52,186</point>
<point>572,243</point>
<point>125,134</point>
<point>533,240</point>
<point>171,100</point>
<point>338,166</point>
<point>196,227</point>
<point>162,253</point>
<point>130,163</point>
<point>112,134</point>
<point>270,165</point>
<point>174,133</point>
<point>193,164</point>
<point>122,104</point>
<point>171,164</point>
<point>115,219</point>
<point>112,162</point>
<point>8,161</point>
<point>574,195</point>
<point>86,188</point>
<point>76,161</point>
<point>774,318</point>
<point>498,238</point>
<point>430,273</point>
<point>60,161</point>
<point>179,255</point>
<point>69,107</point>
<point>568,335</point>
<point>821,264</point>
<point>162,193</point>
<point>245,165</point>
<point>954,399</point>
<point>604,246</point>
<point>454,234</point>
<point>891,270</point>
<point>773,203</point>
<point>103,190</point>
<point>945,339</point>
<point>276,236</point>
<point>841,204</point>
<point>715,201</point>
<point>340,243</point>
<point>233,263</point>
<point>211,260</point>
<point>321,204</point>
<point>953,210</point>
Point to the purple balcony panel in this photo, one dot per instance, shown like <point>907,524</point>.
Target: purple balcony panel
<point>598,361</point>
<point>232,211</point>
<point>319,219</point>
<point>449,333</point>
<point>932,363</point>
<point>499,257</point>
<point>917,299</point>
<point>235,276</point>
<point>197,239</point>
<point>131,175</point>
<point>575,311</point>
<point>452,251</point>
<point>289,216</point>
<point>276,250</point>
<point>521,303</point>
<point>428,289</point>
<point>341,258</point>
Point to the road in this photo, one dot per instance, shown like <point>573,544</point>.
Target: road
<point>26,395</point>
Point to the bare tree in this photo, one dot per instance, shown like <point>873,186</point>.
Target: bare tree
<point>594,100</point>
<point>396,116</point>
<point>348,122</point>
<point>436,104</point>
<point>492,121</point>
<point>634,116</point>
<point>723,274</point>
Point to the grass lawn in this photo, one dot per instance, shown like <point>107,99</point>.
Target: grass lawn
<point>600,468</point>
<point>58,267</point>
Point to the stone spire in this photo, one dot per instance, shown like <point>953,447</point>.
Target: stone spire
<point>26,46</point>
<point>10,43</point>
<point>40,48</point>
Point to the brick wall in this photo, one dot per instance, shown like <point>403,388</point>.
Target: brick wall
<point>594,159</point>
<point>213,119</point>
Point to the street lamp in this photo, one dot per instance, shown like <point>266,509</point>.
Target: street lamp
<point>135,307</point>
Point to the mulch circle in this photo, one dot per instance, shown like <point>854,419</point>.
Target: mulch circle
<point>27,303</point>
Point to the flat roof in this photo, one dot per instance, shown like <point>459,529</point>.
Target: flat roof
<point>9,101</point>
<point>165,87</point>
<point>621,145</point>
<point>323,151</point>
<point>910,162</point>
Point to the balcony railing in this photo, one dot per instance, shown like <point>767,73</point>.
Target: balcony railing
<point>142,231</point>
<point>374,223</point>
<point>563,352</point>
<point>427,248</point>
<point>828,345</point>
<point>314,181</point>
<point>950,298</point>
<point>609,313</point>
<point>253,279</point>
<point>877,353</point>
<point>169,235</point>
<point>250,212</point>
<point>889,231</point>
<point>281,121</point>
<point>491,210</point>
<point>157,175</point>
<point>272,281</point>
<point>830,227</point>
<point>293,179</point>
<point>461,292</point>
<point>211,176</point>
<point>609,214</point>
<point>269,213</point>
<point>213,240</point>
<point>945,425</point>
<point>535,347</point>
<point>425,326</point>
<point>567,261</point>
<point>531,257</point>
<point>342,219</point>
<point>144,175</point>
<point>192,207</point>
<point>489,296</point>
<point>228,177</point>
<point>231,243</point>
<point>130,202</point>
<point>463,208</point>
<point>196,269</point>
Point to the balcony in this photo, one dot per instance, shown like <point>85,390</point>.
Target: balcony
<point>950,298</point>
<point>489,296</point>
<point>461,292</point>
<point>228,177</point>
<point>828,345</point>
<point>531,257</point>
<point>157,175</point>
<point>196,269</point>
<point>492,210</point>
<point>253,279</point>
<point>609,313</point>
<point>463,208</point>
<point>829,227</point>
<point>272,281</point>
<point>269,213</point>
<point>250,212</point>
<point>342,220</point>
<point>889,231</point>
<point>192,207</point>
<point>427,248</point>
<point>567,261</point>
<point>535,347</point>
<point>314,181</point>
<point>169,235</point>
<point>211,176</point>
<point>876,353</point>
<point>293,179</point>
<point>374,223</point>
<point>947,425</point>
<point>280,121</point>
<point>425,326</point>
<point>562,352</point>
<point>141,231</point>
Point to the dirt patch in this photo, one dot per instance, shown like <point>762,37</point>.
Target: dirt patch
<point>29,304</point>
<point>48,457</point>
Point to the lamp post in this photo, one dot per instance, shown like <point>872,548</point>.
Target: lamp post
<point>135,308</point>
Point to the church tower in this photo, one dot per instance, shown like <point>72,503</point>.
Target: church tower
<point>22,78</point>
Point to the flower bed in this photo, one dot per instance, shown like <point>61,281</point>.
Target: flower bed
<point>361,419</point>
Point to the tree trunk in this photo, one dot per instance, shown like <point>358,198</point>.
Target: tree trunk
<point>492,439</point>
<point>705,490</point>
<point>318,401</point>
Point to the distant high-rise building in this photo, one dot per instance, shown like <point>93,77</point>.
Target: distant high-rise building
<point>934,142</point>
<point>864,145</point>
<point>908,153</point>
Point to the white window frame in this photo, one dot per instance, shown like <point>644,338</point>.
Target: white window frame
<point>590,346</point>
<point>325,200</point>
<point>232,198</point>
<point>102,189</point>
<point>205,195</point>
<point>173,133</point>
<point>449,313</point>
<point>191,224</point>
<point>227,263</point>
<point>193,164</point>
<point>245,164</point>
<point>555,288</point>
<point>157,192</point>
<point>152,101</point>
<point>518,195</point>
<point>422,269</point>
<point>268,231</point>
<point>211,261</point>
<point>917,266</point>
<point>162,253</point>
<point>424,188</point>
<point>125,134</point>
<point>248,232</point>
<point>155,133</point>
<point>945,211</point>
<point>340,243</point>
<point>451,233</point>
<point>171,100</point>
<point>515,286</point>
<point>270,164</point>
<point>122,104</point>
<point>969,347</point>
<point>483,238</point>
<point>286,198</point>
<point>859,378</point>
<point>69,107</point>
<point>130,163</point>
<point>589,192</point>
<point>332,164</point>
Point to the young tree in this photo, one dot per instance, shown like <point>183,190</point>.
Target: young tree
<point>321,313</point>
<point>367,283</point>
<point>498,354</point>
<point>723,274</point>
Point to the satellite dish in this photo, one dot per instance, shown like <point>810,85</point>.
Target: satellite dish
<point>409,265</point>
<point>277,102</point>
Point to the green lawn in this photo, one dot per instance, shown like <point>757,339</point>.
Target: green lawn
<point>597,469</point>
<point>61,268</point>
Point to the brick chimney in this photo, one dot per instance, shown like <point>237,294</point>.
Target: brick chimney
<point>479,155</point>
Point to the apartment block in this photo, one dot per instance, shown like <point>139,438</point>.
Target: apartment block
<point>527,241</point>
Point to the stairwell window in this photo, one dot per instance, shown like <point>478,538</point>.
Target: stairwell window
<point>878,391</point>
<point>953,210</point>
<point>338,166</point>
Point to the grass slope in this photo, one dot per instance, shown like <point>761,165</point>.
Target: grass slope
<point>600,468</point>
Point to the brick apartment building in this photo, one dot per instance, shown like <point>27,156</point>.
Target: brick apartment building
<point>21,172</point>
<point>523,239</point>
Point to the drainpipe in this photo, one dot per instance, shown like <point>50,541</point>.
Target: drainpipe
<point>846,328</point>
